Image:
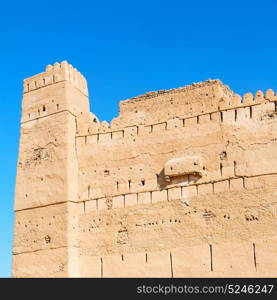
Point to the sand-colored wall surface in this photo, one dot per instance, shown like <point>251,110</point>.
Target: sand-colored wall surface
<point>181,184</point>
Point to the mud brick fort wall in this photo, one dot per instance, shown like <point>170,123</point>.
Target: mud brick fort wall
<point>181,184</point>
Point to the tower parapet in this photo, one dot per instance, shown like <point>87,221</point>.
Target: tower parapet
<point>53,74</point>
<point>60,88</point>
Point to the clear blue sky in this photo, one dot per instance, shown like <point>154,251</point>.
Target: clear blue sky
<point>126,48</point>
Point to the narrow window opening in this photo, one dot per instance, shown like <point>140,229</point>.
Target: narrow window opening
<point>275,106</point>
<point>221,168</point>
<point>143,182</point>
<point>210,117</point>
<point>221,116</point>
<point>89,192</point>
<point>183,122</point>
<point>236,115</point>
<point>211,256</point>
<point>235,165</point>
<point>58,107</point>
<point>250,109</point>
<point>43,81</point>
<point>171,265</point>
<point>101,262</point>
<point>197,118</point>
<point>254,255</point>
<point>39,112</point>
<point>129,185</point>
<point>117,186</point>
<point>43,108</point>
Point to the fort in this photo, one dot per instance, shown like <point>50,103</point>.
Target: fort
<point>181,184</point>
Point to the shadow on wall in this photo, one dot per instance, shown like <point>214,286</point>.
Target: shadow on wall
<point>182,170</point>
<point>182,180</point>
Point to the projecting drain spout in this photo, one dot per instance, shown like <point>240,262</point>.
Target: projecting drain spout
<point>183,166</point>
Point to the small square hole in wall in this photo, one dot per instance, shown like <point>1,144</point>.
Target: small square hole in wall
<point>47,239</point>
<point>106,173</point>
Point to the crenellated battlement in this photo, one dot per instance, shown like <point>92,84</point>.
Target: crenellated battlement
<point>270,95</point>
<point>194,113</point>
<point>60,88</point>
<point>187,88</point>
<point>57,73</point>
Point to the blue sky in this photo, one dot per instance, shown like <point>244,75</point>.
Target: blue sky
<point>126,48</point>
